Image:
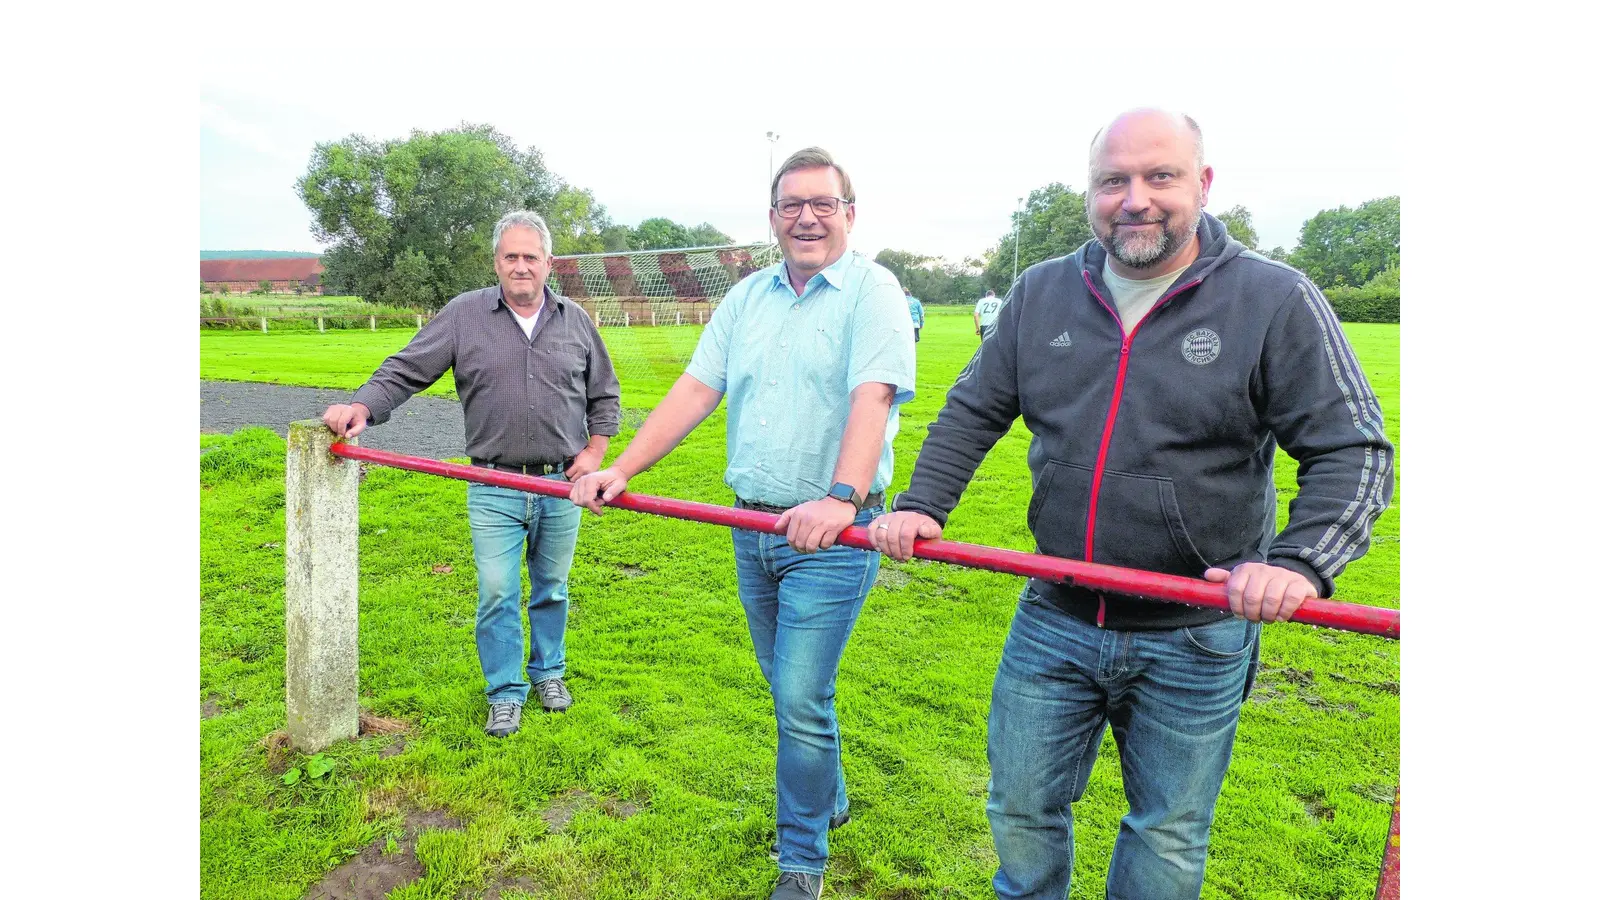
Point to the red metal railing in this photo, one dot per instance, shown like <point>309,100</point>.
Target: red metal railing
<point>1094,576</point>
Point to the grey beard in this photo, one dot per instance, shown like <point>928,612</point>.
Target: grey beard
<point>1148,255</point>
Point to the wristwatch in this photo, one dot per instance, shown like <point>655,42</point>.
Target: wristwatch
<point>842,491</point>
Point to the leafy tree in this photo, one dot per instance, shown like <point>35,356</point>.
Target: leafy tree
<point>410,282</point>
<point>577,222</point>
<point>617,238</point>
<point>934,280</point>
<point>707,235</point>
<point>1240,228</point>
<point>1053,223</point>
<point>899,262</point>
<point>433,197</point>
<point>1349,246</point>
<point>1278,253</point>
<point>661,234</point>
<point>263,286</point>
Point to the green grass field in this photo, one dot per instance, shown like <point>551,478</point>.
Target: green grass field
<point>658,782</point>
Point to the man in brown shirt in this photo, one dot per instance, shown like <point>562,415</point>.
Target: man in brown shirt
<point>539,396</point>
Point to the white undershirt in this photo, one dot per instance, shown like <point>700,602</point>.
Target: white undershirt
<point>1134,297</point>
<point>528,322</point>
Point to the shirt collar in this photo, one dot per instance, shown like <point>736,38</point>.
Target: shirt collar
<point>497,298</point>
<point>833,275</point>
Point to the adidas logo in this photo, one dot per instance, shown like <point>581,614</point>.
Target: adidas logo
<point>1065,340</point>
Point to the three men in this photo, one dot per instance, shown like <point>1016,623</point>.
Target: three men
<point>539,397</point>
<point>815,355</point>
<point>1158,368</point>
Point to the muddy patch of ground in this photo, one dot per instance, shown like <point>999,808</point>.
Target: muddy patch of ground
<point>383,865</point>
<point>567,804</point>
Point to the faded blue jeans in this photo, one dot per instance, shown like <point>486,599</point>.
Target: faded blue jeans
<point>507,527</point>
<point>1172,699</point>
<point>801,608</point>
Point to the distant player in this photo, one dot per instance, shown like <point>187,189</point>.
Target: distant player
<point>984,314</point>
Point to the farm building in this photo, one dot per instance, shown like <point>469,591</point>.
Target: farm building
<point>239,276</point>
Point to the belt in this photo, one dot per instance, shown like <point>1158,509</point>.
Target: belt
<point>527,468</point>
<point>871,501</point>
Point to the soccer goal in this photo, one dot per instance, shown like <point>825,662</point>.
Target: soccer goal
<point>642,301</point>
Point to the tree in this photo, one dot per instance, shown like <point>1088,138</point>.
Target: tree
<point>707,235</point>
<point>900,262</point>
<point>431,199</point>
<point>1350,246</point>
<point>577,222</point>
<point>1240,228</point>
<point>1279,254</point>
<point>1053,223</point>
<point>933,280</point>
<point>617,238</point>
<point>661,234</point>
<point>263,286</point>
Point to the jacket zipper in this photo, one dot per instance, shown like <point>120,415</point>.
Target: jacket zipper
<point>1111,417</point>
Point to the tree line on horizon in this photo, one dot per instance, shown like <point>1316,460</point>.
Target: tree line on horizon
<point>408,222</point>
<point>1353,255</point>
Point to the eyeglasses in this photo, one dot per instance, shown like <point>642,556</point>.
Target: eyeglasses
<point>823,207</point>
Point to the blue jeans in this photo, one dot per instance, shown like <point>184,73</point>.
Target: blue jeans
<point>1172,699</point>
<point>801,609</point>
<point>503,522</point>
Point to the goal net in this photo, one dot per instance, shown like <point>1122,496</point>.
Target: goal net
<point>649,304</point>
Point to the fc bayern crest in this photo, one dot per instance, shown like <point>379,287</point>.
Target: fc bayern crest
<point>1201,346</point>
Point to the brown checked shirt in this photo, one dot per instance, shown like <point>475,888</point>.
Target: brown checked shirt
<point>524,401</point>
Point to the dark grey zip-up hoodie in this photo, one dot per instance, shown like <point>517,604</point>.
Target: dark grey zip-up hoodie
<point>1153,449</point>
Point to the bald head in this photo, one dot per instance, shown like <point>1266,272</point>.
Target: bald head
<point>1147,184</point>
<point>1143,125</point>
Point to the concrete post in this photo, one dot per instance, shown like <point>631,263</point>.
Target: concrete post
<point>319,551</point>
<point>320,329</point>
<point>372,321</point>
<point>419,322</point>
<point>263,324</point>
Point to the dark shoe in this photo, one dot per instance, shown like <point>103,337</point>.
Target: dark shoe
<point>553,695</point>
<point>834,821</point>
<point>504,719</point>
<point>797,886</point>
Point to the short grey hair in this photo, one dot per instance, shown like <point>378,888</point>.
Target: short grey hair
<point>522,218</point>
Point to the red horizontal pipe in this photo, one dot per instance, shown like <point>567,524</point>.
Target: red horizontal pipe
<point>1094,576</point>
<point>1389,875</point>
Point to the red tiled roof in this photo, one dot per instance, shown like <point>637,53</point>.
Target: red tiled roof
<point>306,268</point>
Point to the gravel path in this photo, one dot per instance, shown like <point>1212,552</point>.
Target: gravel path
<point>422,426</point>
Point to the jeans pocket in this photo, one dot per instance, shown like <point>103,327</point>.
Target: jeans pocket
<point>1229,638</point>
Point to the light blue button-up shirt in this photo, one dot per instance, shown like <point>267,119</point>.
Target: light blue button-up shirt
<point>788,363</point>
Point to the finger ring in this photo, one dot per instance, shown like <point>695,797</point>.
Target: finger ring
<point>883,526</point>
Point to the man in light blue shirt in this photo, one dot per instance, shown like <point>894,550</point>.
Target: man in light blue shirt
<point>915,306</point>
<point>816,355</point>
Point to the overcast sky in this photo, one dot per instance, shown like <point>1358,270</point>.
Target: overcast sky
<point>940,143</point>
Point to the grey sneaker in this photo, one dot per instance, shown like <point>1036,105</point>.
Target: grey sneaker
<point>834,821</point>
<point>797,886</point>
<point>504,719</point>
<point>553,695</point>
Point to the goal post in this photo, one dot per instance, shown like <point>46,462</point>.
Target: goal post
<point>641,299</point>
